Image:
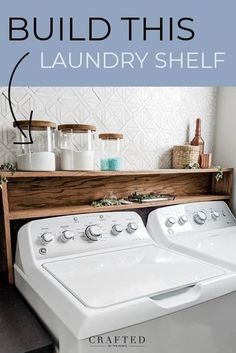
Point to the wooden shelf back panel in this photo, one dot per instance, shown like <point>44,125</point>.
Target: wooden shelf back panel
<point>60,211</point>
<point>55,192</point>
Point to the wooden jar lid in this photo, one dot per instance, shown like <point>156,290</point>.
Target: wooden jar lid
<point>76,128</point>
<point>111,136</point>
<point>36,125</point>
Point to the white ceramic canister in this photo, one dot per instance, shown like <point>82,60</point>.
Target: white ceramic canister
<point>40,154</point>
<point>76,146</point>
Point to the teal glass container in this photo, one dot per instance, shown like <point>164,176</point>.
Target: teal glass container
<point>111,151</point>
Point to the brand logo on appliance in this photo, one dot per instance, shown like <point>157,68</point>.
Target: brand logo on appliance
<point>124,341</point>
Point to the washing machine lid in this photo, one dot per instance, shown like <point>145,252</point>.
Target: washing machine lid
<point>217,246</point>
<point>114,277</point>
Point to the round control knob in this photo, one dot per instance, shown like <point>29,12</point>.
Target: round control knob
<point>93,232</point>
<point>47,238</point>
<point>200,217</point>
<point>182,220</point>
<point>215,215</point>
<point>67,235</point>
<point>170,222</point>
<point>116,229</point>
<point>132,227</point>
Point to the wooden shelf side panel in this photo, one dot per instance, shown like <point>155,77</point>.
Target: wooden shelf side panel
<point>224,186</point>
<point>7,233</point>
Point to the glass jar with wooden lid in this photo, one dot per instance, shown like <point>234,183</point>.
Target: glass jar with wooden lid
<point>111,151</point>
<point>39,155</point>
<point>76,146</point>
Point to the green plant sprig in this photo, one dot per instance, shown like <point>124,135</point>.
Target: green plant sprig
<point>137,197</point>
<point>105,202</point>
<point>220,174</point>
<point>192,166</point>
<point>6,167</point>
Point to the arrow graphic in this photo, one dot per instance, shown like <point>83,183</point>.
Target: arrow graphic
<point>11,109</point>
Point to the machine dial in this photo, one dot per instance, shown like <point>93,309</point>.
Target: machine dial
<point>132,227</point>
<point>117,229</point>
<point>46,238</point>
<point>170,222</point>
<point>215,215</point>
<point>67,235</point>
<point>200,217</point>
<point>182,220</point>
<point>93,232</point>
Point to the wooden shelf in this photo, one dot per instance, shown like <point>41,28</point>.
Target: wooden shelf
<point>76,174</point>
<point>59,211</point>
<point>30,195</point>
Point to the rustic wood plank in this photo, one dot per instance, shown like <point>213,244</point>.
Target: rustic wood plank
<point>224,186</point>
<point>7,232</point>
<point>108,174</point>
<point>67,210</point>
<point>57,192</point>
<point>3,264</point>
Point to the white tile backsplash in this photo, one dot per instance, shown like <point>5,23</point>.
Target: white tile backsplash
<point>152,119</point>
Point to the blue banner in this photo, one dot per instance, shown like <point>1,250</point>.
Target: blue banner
<point>125,43</point>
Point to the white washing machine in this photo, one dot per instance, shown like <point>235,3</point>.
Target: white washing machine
<point>101,284</point>
<point>206,230</point>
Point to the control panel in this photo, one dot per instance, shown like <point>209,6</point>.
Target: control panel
<point>191,218</point>
<point>69,235</point>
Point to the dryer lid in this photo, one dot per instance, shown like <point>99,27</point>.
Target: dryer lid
<point>217,246</point>
<point>114,277</point>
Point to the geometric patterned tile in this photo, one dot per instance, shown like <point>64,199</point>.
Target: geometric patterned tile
<point>152,119</point>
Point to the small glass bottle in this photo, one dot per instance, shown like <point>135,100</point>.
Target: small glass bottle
<point>111,151</point>
<point>198,140</point>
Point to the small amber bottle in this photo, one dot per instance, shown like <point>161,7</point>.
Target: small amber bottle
<point>197,140</point>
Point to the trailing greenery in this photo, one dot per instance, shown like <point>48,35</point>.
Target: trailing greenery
<point>220,174</point>
<point>136,197</point>
<point>6,167</point>
<point>105,202</point>
<point>192,166</point>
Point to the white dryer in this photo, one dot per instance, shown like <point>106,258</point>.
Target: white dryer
<point>101,284</point>
<point>206,230</point>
